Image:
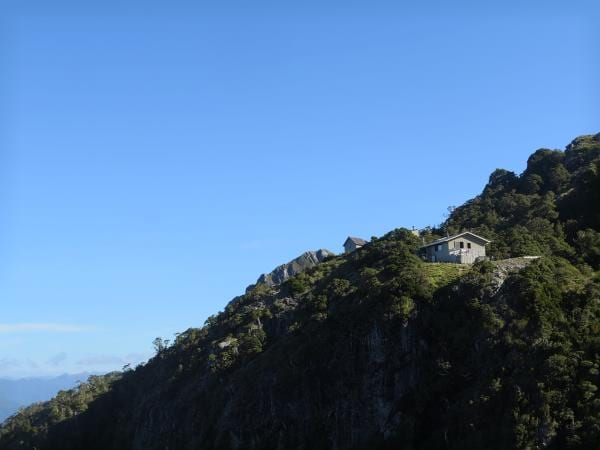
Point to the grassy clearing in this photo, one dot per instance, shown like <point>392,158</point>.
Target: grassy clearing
<point>442,274</point>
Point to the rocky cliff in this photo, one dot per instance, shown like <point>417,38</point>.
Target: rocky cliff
<point>378,349</point>
<point>285,271</point>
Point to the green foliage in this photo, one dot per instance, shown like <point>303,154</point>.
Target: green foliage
<point>544,210</point>
<point>517,368</point>
<point>160,345</point>
<point>587,245</point>
<point>403,307</point>
<point>340,287</point>
<point>31,424</point>
<point>379,350</point>
<point>298,284</point>
<point>442,274</point>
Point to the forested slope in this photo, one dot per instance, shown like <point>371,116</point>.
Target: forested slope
<point>378,349</point>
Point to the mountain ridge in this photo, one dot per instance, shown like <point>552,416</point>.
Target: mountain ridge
<point>287,270</point>
<point>378,349</point>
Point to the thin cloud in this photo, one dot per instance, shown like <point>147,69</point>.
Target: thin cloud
<point>10,363</point>
<point>47,327</point>
<point>101,360</point>
<point>136,358</point>
<point>17,363</point>
<point>104,360</point>
<point>57,359</point>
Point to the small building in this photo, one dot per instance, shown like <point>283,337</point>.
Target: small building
<point>462,248</point>
<point>353,243</point>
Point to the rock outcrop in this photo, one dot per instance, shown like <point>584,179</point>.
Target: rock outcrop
<point>377,349</point>
<point>303,262</point>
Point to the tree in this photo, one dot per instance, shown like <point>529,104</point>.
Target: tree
<point>160,344</point>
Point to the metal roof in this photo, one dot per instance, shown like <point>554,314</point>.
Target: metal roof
<point>449,238</point>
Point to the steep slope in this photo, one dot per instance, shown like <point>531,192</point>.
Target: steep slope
<point>378,349</point>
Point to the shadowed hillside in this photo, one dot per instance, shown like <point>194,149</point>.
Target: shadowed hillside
<point>378,349</point>
<point>21,392</point>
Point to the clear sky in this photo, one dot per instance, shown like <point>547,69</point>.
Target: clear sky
<point>156,158</point>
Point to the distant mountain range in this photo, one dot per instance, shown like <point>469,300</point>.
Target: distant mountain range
<point>22,392</point>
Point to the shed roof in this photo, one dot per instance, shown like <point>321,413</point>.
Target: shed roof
<point>450,238</point>
<point>355,240</point>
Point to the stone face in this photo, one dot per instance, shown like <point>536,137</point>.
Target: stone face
<point>281,273</point>
<point>227,342</point>
<point>505,267</point>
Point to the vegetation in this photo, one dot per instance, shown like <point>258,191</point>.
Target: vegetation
<point>39,417</point>
<point>550,209</point>
<point>521,366</point>
<point>378,349</point>
<point>441,274</point>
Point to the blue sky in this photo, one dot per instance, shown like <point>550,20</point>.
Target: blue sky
<point>156,158</point>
